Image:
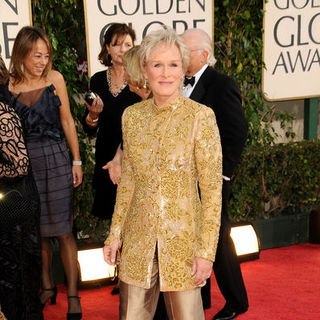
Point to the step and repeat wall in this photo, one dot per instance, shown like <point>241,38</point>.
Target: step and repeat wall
<point>291,35</point>
<point>14,14</point>
<point>143,16</point>
<point>291,49</point>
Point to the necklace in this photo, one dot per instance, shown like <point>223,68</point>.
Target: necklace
<point>118,87</point>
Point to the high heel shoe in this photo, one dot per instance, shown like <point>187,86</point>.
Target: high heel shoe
<point>115,290</point>
<point>52,297</point>
<point>74,315</point>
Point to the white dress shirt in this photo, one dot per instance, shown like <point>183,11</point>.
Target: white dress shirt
<point>187,90</point>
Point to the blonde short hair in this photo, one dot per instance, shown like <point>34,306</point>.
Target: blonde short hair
<point>131,62</point>
<point>164,36</point>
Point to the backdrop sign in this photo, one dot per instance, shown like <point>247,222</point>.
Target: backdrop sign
<point>291,49</point>
<point>14,14</point>
<point>143,16</point>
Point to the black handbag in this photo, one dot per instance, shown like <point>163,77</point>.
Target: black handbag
<point>14,208</point>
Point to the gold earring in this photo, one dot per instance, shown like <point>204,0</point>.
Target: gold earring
<point>145,84</point>
<point>182,84</point>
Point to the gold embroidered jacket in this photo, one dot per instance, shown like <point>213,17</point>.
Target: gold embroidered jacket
<point>168,151</point>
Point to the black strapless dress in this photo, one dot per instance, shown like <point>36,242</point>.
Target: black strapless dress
<point>49,157</point>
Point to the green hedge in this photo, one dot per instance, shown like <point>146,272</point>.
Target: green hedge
<point>275,180</point>
<point>269,181</point>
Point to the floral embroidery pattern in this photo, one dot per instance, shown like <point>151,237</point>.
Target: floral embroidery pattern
<point>14,160</point>
<point>168,152</point>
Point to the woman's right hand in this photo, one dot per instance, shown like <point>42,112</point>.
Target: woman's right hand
<point>96,108</point>
<point>110,252</point>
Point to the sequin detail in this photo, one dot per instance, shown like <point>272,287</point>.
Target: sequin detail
<point>168,151</point>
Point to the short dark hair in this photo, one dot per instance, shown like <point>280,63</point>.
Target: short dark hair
<point>114,31</point>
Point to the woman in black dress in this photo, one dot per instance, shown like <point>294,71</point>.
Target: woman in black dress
<point>112,88</point>
<point>20,257</point>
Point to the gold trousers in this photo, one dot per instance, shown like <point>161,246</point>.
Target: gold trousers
<point>137,303</point>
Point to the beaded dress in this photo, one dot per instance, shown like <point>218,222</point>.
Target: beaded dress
<point>20,256</point>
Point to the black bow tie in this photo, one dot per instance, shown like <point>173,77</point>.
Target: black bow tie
<point>189,81</point>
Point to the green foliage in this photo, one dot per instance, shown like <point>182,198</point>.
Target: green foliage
<point>61,19</point>
<point>273,180</point>
<point>238,50</point>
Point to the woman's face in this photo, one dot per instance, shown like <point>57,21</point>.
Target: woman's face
<point>118,46</point>
<point>36,60</point>
<point>164,72</point>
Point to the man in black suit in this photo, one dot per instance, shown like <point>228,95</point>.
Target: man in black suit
<point>220,92</point>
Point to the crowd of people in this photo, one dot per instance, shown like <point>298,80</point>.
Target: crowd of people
<point>169,132</point>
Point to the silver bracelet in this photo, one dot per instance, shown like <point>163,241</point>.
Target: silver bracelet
<point>77,163</point>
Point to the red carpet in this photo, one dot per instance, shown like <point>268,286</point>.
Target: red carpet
<point>284,284</point>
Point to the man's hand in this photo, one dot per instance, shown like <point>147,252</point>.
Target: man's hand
<point>114,168</point>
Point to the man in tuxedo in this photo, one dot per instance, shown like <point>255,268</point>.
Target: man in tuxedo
<point>220,92</point>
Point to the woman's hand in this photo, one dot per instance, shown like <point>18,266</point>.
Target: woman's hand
<point>114,168</point>
<point>96,108</point>
<point>201,268</point>
<point>77,175</point>
<point>110,253</point>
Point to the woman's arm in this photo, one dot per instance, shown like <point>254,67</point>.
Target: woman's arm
<point>90,121</point>
<point>92,117</point>
<point>68,125</point>
<point>124,195</point>
<point>208,157</point>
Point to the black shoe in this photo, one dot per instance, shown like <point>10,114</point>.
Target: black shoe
<point>45,296</point>
<point>115,290</point>
<point>74,315</point>
<point>225,314</point>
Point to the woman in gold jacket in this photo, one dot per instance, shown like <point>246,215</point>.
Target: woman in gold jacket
<point>167,235</point>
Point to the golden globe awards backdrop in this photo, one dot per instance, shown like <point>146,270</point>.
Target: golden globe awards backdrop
<point>14,14</point>
<point>143,16</point>
<point>291,49</point>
